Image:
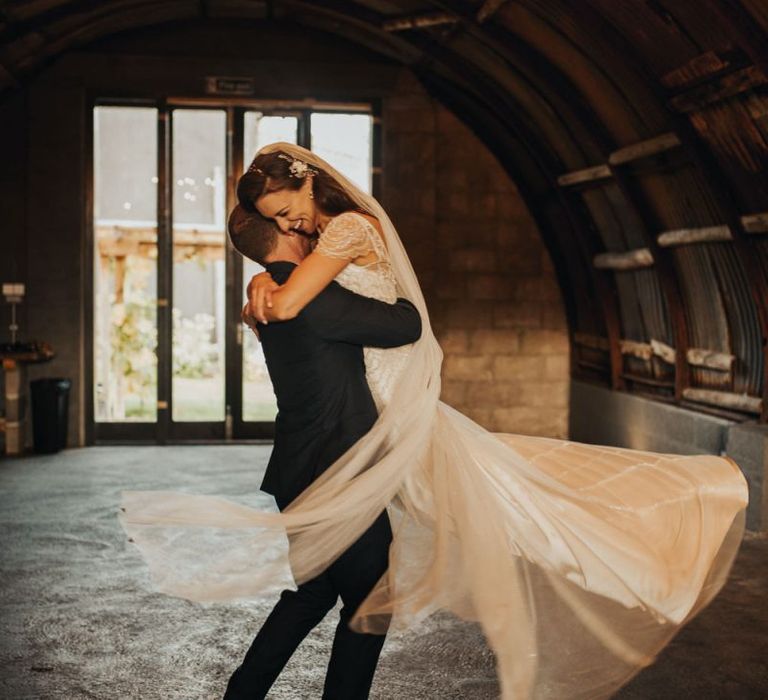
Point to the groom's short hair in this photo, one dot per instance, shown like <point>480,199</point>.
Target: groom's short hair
<point>252,235</point>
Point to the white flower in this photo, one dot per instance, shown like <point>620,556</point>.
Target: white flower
<point>298,168</point>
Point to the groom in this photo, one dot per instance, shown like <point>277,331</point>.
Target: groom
<point>315,362</point>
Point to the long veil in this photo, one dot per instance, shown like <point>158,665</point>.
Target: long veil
<point>579,562</point>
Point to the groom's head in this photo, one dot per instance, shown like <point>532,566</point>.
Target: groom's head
<point>262,241</point>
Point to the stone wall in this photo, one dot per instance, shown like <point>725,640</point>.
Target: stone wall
<point>747,445</point>
<point>489,284</point>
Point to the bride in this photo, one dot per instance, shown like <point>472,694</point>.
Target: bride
<point>579,562</point>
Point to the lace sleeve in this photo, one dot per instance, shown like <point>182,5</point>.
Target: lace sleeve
<point>346,236</point>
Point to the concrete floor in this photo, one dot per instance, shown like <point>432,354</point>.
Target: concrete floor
<point>79,619</point>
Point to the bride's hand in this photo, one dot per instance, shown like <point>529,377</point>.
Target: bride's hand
<point>247,318</point>
<point>259,291</point>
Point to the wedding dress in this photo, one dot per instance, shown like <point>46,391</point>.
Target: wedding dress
<point>349,236</point>
<point>580,562</point>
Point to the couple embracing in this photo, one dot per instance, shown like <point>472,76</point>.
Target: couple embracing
<point>579,562</point>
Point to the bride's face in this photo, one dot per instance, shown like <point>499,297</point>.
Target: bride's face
<point>292,210</point>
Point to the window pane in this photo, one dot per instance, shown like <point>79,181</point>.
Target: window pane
<point>259,402</point>
<point>344,140</point>
<point>258,396</point>
<point>199,203</point>
<point>261,129</point>
<point>125,264</point>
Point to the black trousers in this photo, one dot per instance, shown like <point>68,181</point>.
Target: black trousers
<point>353,656</point>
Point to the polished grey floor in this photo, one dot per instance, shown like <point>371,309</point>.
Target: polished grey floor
<point>79,619</point>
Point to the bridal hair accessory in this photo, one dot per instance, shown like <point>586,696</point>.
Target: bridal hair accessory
<point>297,168</point>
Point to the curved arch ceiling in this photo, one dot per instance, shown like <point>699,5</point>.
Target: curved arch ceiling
<point>637,132</point>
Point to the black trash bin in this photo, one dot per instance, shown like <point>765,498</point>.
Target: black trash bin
<point>50,411</point>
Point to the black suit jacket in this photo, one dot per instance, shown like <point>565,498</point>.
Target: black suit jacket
<point>315,362</point>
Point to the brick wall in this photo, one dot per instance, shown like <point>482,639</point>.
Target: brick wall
<point>493,299</point>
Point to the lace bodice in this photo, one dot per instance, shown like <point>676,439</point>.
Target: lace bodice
<point>349,236</point>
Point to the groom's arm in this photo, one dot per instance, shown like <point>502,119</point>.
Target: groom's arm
<point>338,314</point>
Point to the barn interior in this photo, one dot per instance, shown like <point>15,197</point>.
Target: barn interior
<point>581,187</point>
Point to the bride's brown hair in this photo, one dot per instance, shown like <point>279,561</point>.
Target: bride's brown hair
<point>271,172</point>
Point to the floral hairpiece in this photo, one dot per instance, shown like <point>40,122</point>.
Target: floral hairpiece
<point>297,168</point>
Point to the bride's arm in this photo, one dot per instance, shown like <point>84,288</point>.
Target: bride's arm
<point>272,302</point>
<point>344,240</point>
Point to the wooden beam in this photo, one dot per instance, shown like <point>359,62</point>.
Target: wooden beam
<point>755,223</point>
<point>684,236</point>
<point>643,149</point>
<point>738,24</point>
<point>597,172</point>
<point>420,21</point>
<point>631,260</point>
<point>642,351</point>
<point>725,399</point>
<point>706,64</point>
<point>699,357</point>
<point>729,85</point>
<point>664,351</point>
<point>711,359</point>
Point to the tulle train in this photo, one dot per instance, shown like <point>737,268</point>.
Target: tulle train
<point>578,561</point>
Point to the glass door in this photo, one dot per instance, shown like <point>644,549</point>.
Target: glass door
<point>125,251</point>
<point>198,233</point>
<point>170,358</point>
<point>258,406</point>
<point>344,140</point>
